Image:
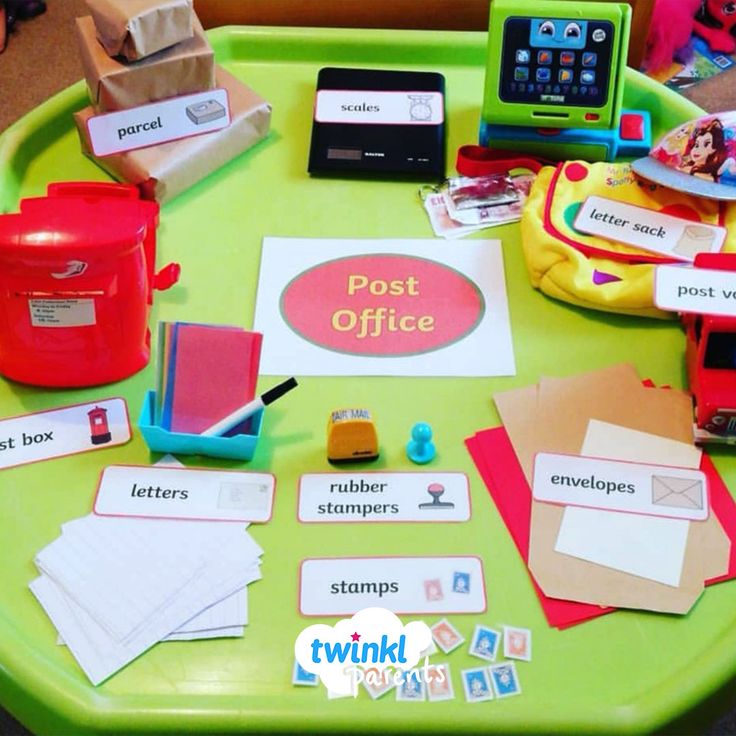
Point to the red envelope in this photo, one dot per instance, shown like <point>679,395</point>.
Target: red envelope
<point>499,468</point>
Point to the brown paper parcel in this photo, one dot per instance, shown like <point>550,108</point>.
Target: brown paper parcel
<point>135,29</point>
<point>183,69</point>
<point>164,171</point>
<point>608,395</point>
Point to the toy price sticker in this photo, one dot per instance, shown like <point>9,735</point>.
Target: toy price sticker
<point>699,290</point>
<point>159,122</point>
<point>66,431</point>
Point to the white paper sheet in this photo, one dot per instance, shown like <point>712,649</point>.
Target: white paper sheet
<point>649,547</point>
<point>385,308</point>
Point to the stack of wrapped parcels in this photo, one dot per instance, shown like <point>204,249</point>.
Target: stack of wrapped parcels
<point>135,52</point>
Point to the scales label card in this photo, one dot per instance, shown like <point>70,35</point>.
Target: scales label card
<point>424,585</point>
<point>159,122</point>
<point>700,290</point>
<point>656,490</point>
<point>65,431</point>
<point>382,108</point>
<point>365,497</point>
<point>185,493</point>
<point>647,229</point>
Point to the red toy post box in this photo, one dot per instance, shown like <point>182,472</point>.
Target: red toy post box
<point>77,274</point>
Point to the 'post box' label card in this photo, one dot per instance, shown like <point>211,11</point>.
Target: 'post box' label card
<point>699,290</point>
<point>159,122</point>
<point>656,490</point>
<point>648,229</point>
<point>366,497</point>
<point>161,492</point>
<point>65,431</point>
<point>421,585</point>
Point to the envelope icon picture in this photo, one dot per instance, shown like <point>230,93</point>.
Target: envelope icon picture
<point>684,493</point>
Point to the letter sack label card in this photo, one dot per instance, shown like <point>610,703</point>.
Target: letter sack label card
<point>341,497</point>
<point>386,108</point>
<point>66,431</point>
<point>702,290</point>
<point>184,493</point>
<point>656,490</point>
<point>647,229</point>
<point>342,586</point>
<point>159,122</point>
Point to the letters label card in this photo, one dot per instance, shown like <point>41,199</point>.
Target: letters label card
<point>656,490</point>
<point>159,122</point>
<point>703,290</point>
<point>65,431</point>
<point>341,497</point>
<point>431,585</point>
<point>184,493</point>
<point>643,228</point>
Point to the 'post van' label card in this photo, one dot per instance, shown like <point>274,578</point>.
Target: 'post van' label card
<point>159,122</point>
<point>647,229</point>
<point>657,490</point>
<point>184,493</point>
<point>341,497</point>
<point>66,431</point>
<point>343,586</point>
<point>702,290</point>
<point>379,107</point>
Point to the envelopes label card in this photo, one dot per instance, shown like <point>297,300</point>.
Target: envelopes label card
<point>159,122</point>
<point>657,490</point>
<point>342,586</point>
<point>341,497</point>
<point>184,493</point>
<point>65,431</point>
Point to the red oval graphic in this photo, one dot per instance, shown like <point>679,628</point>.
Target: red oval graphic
<point>382,305</point>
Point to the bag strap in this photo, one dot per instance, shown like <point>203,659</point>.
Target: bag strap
<point>480,161</point>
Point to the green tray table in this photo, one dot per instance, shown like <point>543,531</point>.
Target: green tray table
<point>625,673</point>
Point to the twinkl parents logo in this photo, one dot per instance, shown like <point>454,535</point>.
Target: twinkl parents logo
<point>373,639</point>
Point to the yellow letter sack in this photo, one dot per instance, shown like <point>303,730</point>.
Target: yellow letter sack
<point>594,272</point>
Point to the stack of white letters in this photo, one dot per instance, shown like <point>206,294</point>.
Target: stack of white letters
<point>114,587</point>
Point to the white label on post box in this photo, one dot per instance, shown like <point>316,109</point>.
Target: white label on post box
<point>644,228</point>
<point>656,490</point>
<point>700,290</point>
<point>62,312</point>
<point>380,108</point>
<point>65,431</point>
<point>159,122</point>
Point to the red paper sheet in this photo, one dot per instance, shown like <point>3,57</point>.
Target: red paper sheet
<point>497,464</point>
<point>216,373</point>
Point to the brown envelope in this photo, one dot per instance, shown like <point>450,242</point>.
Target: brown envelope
<point>135,29</point>
<point>680,493</point>
<point>161,172</point>
<point>559,425</point>
<point>186,68</point>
